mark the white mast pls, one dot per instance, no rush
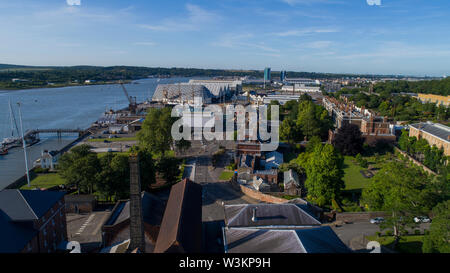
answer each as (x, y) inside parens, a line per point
(24, 146)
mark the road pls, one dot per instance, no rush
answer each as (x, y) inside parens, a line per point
(215, 194)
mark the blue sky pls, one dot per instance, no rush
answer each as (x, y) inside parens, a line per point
(339, 36)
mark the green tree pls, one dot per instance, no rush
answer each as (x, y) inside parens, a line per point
(169, 168)
(438, 239)
(324, 172)
(183, 145)
(289, 131)
(79, 167)
(114, 177)
(348, 139)
(155, 134)
(307, 121)
(396, 188)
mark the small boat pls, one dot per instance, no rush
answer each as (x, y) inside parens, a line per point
(3, 151)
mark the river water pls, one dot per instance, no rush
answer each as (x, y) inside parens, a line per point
(66, 107)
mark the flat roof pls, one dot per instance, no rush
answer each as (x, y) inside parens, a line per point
(435, 129)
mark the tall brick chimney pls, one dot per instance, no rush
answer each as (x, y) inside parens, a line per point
(136, 218)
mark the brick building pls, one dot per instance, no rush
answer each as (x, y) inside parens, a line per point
(372, 126)
(32, 221)
(434, 133)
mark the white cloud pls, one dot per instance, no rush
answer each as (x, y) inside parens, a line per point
(302, 32)
(196, 19)
(73, 2)
(374, 2)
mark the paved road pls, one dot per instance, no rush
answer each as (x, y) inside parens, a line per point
(214, 194)
(85, 228)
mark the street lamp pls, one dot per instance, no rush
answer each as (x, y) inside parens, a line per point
(24, 146)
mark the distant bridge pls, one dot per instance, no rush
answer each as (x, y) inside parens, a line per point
(59, 132)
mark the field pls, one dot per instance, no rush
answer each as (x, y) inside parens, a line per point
(353, 178)
(407, 244)
(45, 181)
(226, 175)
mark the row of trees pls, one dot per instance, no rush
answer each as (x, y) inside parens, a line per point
(304, 119)
(109, 175)
(432, 157)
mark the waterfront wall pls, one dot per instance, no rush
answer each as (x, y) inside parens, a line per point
(22, 180)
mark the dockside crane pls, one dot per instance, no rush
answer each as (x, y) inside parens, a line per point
(132, 100)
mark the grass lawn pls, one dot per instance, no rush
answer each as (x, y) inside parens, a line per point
(226, 175)
(352, 177)
(45, 181)
(113, 139)
(407, 244)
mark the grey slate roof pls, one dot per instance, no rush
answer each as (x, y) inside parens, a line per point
(268, 215)
(18, 210)
(27, 205)
(309, 240)
(181, 92)
(438, 130)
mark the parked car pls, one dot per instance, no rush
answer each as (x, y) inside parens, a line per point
(422, 219)
(106, 141)
(377, 220)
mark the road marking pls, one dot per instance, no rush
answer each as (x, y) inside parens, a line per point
(81, 229)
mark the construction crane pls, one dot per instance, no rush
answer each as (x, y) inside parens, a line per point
(132, 100)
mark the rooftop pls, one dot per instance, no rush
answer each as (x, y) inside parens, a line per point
(268, 215)
(308, 240)
(438, 130)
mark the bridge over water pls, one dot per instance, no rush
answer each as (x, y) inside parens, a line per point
(32, 133)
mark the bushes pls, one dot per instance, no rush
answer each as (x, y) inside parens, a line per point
(41, 170)
(362, 161)
(232, 166)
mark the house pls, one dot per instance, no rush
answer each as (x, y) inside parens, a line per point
(116, 228)
(259, 184)
(48, 160)
(271, 176)
(291, 183)
(31, 221)
(273, 160)
(277, 228)
(181, 227)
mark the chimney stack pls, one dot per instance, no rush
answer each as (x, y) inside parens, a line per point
(136, 219)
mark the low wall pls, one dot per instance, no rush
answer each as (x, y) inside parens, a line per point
(358, 216)
(257, 194)
(425, 168)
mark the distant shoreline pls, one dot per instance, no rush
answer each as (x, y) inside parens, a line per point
(64, 85)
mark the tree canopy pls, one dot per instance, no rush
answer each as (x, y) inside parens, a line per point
(348, 139)
(324, 173)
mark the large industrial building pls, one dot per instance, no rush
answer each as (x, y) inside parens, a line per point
(434, 133)
(182, 93)
(208, 90)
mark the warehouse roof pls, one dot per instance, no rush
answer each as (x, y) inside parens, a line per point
(435, 129)
(268, 215)
(181, 92)
(308, 240)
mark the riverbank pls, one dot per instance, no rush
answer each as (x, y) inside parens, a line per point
(61, 85)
